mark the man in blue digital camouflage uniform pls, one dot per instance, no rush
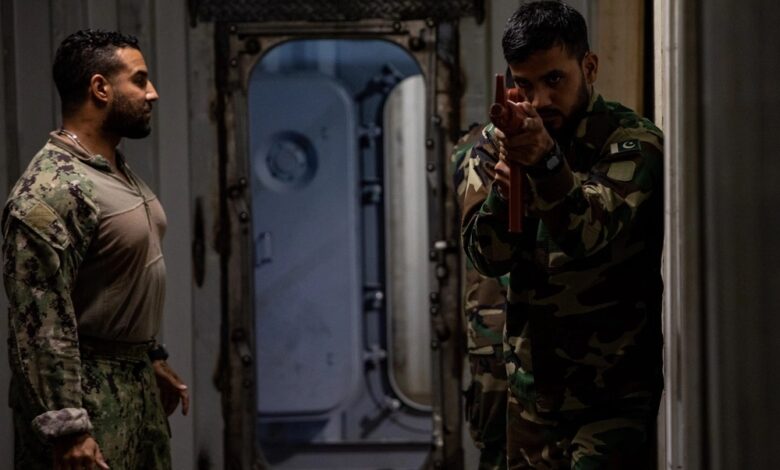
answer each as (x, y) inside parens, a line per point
(85, 276)
(583, 344)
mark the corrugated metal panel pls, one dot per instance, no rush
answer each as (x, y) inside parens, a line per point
(332, 10)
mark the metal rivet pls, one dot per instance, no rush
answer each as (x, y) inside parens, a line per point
(431, 167)
(442, 271)
(429, 143)
(233, 62)
(243, 216)
(416, 43)
(397, 26)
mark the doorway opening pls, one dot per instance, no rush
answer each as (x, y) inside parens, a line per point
(336, 133)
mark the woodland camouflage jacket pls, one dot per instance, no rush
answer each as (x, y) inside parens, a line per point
(583, 322)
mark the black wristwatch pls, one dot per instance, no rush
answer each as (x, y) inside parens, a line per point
(549, 164)
(158, 353)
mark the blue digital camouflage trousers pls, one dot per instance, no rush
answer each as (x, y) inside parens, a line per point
(121, 395)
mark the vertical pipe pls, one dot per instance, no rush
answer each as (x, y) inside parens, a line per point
(684, 268)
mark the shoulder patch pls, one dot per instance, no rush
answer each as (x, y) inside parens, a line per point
(41, 219)
(626, 146)
(622, 170)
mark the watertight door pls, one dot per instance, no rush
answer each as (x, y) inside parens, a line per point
(307, 288)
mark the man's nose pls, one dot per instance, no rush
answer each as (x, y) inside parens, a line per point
(151, 92)
(540, 98)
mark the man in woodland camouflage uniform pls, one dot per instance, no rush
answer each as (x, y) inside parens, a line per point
(85, 276)
(484, 299)
(583, 326)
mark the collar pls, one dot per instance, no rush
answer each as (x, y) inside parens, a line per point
(66, 143)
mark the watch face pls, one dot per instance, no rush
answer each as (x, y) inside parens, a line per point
(553, 161)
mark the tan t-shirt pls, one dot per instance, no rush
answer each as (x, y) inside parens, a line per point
(120, 287)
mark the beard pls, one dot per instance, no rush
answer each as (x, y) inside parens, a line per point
(571, 121)
(127, 119)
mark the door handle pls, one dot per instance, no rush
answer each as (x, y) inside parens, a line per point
(263, 249)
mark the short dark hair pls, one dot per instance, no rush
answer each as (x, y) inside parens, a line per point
(82, 55)
(538, 26)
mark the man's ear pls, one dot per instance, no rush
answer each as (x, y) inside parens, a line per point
(590, 66)
(100, 89)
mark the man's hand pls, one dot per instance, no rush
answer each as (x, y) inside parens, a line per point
(529, 145)
(172, 389)
(79, 451)
(501, 178)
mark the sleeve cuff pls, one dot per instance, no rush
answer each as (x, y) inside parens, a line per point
(57, 423)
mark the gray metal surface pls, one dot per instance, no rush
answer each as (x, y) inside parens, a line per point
(741, 167)
(321, 350)
(32, 30)
(307, 271)
(6, 427)
(239, 50)
(137, 17)
(332, 10)
(208, 422)
(173, 166)
(684, 270)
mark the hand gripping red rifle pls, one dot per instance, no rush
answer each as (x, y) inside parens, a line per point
(510, 123)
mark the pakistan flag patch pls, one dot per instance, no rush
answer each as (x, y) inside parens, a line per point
(627, 146)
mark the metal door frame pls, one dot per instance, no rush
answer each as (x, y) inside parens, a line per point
(238, 48)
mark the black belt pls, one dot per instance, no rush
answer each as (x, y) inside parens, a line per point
(104, 347)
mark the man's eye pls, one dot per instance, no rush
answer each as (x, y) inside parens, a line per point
(140, 81)
(554, 80)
